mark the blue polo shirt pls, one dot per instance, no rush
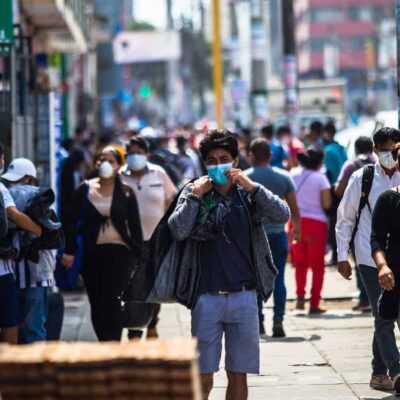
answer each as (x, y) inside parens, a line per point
(278, 181)
(227, 260)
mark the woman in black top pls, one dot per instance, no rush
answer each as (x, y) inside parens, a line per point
(385, 247)
(112, 239)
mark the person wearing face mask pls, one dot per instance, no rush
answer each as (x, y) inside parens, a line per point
(219, 217)
(154, 192)
(385, 252)
(112, 241)
(353, 229)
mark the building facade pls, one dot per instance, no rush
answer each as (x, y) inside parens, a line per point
(42, 71)
(354, 39)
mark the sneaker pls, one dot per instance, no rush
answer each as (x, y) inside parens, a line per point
(262, 329)
(362, 306)
(317, 310)
(300, 303)
(382, 382)
(152, 333)
(277, 330)
(396, 384)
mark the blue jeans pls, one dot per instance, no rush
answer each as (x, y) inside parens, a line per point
(385, 353)
(279, 245)
(33, 307)
(363, 297)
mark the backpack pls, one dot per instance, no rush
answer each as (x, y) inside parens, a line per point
(171, 164)
(366, 185)
(144, 272)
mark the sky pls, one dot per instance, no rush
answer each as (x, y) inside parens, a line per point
(154, 11)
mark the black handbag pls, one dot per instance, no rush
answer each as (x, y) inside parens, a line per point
(137, 315)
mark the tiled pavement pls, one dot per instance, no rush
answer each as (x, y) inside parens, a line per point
(322, 357)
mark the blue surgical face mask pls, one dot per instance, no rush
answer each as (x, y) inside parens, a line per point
(136, 162)
(216, 173)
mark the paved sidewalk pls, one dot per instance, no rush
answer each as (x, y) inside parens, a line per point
(323, 357)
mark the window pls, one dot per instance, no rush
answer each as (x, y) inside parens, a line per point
(356, 43)
(327, 14)
(317, 44)
(361, 13)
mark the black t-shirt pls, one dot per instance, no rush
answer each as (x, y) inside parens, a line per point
(227, 260)
(385, 234)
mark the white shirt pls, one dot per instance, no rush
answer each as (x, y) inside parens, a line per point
(29, 274)
(347, 212)
(6, 265)
(152, 191)
(8, 200)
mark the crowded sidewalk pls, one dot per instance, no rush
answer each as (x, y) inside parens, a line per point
(322, 357)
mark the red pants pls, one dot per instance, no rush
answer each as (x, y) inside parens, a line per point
(310, 253)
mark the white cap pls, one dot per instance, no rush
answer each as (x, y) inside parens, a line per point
(19, 168)
(149, 132)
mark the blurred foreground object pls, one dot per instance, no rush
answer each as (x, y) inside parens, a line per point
(152, 369)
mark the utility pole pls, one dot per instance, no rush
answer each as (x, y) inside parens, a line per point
(172, 76)
(202, 17)
(217, 65)
(258, 63)
(290, 78)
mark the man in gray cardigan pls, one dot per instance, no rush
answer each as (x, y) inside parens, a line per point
(223, 212)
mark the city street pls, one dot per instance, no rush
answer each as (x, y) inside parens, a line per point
(322, 357)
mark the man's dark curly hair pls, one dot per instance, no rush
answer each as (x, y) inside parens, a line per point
(219, 139)
(385, 135)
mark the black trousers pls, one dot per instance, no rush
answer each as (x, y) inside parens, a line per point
(105, 272)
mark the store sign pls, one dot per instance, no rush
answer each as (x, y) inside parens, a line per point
(6, 22)
(140, 47)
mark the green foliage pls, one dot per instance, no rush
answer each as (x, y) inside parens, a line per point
(142, 26)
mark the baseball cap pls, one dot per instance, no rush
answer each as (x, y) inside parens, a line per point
(19, 168)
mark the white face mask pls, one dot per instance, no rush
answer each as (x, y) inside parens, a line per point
(106, 170)
(386, 159)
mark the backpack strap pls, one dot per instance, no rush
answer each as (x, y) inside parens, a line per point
(366, 185)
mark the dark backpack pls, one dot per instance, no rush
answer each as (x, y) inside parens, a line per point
(144, 272)
(366, 185)
(171, 164)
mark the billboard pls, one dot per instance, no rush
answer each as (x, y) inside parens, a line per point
(140, 47)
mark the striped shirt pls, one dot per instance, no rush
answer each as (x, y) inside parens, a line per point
(29, 274)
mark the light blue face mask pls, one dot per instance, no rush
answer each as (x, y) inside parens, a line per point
(136, 162)
(216, 173)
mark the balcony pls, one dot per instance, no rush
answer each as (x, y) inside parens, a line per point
(59, 25)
